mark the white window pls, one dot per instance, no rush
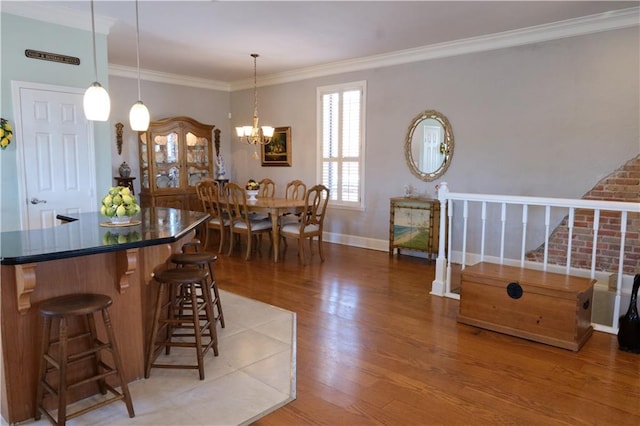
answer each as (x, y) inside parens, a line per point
(341, 124)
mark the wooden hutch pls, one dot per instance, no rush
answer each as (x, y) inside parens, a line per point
(175, 154)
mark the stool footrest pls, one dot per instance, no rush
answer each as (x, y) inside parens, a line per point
(90, 352)
(97, 377)
(117, 396)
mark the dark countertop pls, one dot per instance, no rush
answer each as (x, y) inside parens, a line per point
(86, 236)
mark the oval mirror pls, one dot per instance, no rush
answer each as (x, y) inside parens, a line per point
(428, 147)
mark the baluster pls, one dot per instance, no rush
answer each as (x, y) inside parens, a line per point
(570, 238)
(594, 248)
(547, 220)
(525, 212)
(449, 246)
(465, 216)
(503, 222)
(484, 226)
(623, 235)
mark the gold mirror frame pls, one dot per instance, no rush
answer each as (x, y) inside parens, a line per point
(446, 145)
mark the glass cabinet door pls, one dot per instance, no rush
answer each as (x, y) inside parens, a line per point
(144, 163)
(166, 156)
(198, 151)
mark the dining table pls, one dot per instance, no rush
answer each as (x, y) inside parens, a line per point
(275, 207)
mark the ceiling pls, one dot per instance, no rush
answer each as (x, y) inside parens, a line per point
(212, 40)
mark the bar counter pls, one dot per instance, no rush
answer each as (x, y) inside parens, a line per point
(86, 255)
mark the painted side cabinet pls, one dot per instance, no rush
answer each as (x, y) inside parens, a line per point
(414, 224)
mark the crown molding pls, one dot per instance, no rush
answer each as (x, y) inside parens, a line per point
(56, 15)
(168, 78)
(607, 21)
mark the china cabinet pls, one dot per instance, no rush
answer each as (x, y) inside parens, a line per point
(414, 224)
(175, 154)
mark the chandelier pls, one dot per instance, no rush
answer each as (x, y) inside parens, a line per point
(255, 135)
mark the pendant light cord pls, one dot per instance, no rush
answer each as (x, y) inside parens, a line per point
(93, 32)
(138, 49)
(255, 85)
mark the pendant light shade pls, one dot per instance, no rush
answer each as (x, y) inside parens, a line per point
(139, 117)
(97, 104)
(139, 114)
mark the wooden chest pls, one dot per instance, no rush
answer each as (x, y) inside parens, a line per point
(542, 306)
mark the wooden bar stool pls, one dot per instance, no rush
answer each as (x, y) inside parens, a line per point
(63, 309)
(203, 260)
(183, 311)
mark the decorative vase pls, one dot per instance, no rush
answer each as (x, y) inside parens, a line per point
(629, 324)
(124, 170)
(252, 193)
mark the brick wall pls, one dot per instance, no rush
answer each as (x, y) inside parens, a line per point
(621, 185)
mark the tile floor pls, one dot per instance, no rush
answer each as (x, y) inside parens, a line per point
(254, 375)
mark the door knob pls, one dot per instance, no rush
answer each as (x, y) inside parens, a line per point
(36, 201)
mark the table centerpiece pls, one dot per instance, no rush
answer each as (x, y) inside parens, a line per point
(252, 188)
(120, 205)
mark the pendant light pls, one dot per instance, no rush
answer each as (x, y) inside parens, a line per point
(255, 135)
(97, 104)
(139, 114)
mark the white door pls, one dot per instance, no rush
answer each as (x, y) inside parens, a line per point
(57, 154)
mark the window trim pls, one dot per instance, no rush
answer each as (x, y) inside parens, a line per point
(360, 85)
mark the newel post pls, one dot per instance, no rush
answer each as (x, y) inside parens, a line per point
(438, 284)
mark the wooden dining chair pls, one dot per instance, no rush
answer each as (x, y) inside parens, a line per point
(208, 191)
(240, 221)
(294, 190)
(311, 221)
(267, 188)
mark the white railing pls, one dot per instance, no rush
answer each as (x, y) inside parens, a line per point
(498, 228)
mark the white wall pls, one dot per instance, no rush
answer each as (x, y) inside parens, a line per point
(163, 101)
(549, 119)
(17, 35)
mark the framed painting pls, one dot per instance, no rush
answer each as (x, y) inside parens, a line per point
(278, 152)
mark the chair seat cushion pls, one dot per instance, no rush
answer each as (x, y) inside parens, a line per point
(258, 216)
(294, 228)
(256, 225)
(216, 221)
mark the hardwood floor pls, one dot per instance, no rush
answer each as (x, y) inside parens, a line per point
(373, 347)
